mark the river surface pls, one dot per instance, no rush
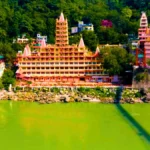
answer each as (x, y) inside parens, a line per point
(74, 126)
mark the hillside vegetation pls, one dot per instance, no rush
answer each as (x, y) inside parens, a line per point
(26, 16)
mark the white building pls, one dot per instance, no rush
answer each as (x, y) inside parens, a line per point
(40, 38)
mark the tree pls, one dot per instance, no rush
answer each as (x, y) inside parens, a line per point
(8, 53)
(8, 78)
(1, 84)
(74, 39)
(127, 12)
(116, 60)
(90, 39)
(108, 36)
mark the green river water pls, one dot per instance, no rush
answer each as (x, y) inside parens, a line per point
(74, 126)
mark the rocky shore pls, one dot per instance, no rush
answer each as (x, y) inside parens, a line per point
(67, 96)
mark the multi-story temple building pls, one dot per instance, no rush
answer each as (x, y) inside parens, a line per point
(49, 64)
(143, 52)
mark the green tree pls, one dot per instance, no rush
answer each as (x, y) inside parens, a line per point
(8, 78)
(74, 39)
(1, 84)
(127, 12)
(90, 39)
(116, 60)
(8, 53)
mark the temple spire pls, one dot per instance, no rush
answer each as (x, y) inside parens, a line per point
(27, 51)
(97, 50)
(81, 43)
(61, 18)
(61, 31)
(19, 71)
(43, 43)
(143, 20)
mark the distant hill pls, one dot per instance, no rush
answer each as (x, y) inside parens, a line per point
(30, 17)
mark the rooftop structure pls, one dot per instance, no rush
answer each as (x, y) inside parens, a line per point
(40, 38)
(82, 27)
(61, 63)
(22, 40)
(106, 23)
(110, 45)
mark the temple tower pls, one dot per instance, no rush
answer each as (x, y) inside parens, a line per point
(143, 27)
(143, 52)
(143, 21)
(61, 31)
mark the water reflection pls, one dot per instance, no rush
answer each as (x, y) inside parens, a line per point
(3, 117)
(51, 123)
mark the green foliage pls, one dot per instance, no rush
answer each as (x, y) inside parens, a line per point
(116, 59)
(139, 77)
(8, 78)
(90, 40)
(98, 91)
(1, 84)
(55, 90)
(127, 12)
(128, 93)
(142, 76)
(25, 16)
(74, 39)
(8, 52)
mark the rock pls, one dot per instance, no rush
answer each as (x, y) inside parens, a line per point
(42, 102)
(95, 100)
(63, 99)
(48, 102)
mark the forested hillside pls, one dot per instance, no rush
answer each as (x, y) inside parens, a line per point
(32, 16)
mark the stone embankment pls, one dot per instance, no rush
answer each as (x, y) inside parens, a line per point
(51, 97)
(45, 97)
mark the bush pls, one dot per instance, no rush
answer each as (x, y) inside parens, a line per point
(8, 78)
(55, 90)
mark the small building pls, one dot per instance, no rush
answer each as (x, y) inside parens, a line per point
(106, 23)
(74, 30)
(22, 40)
(111, 45)
(134, 44)
(41, 37)
(82, 27)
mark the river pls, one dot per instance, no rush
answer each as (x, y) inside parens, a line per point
(74, 126)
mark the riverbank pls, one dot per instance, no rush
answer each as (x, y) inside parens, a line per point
(100, 95)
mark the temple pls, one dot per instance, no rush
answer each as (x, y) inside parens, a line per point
(143, 52)
(60, 63)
